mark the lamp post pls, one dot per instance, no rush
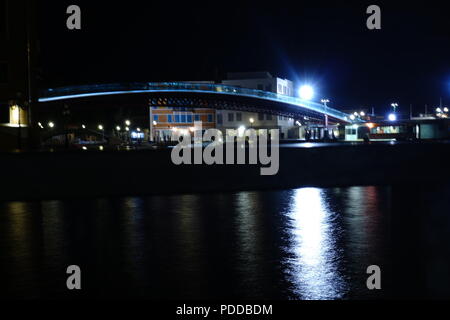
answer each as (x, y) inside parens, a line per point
(325, 101)
(394, 106)
(100, 127)
(252, 121)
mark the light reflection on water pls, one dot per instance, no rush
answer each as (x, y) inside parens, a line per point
(313, 266)
(304, 243)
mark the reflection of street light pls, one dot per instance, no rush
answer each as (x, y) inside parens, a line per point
(306, 92)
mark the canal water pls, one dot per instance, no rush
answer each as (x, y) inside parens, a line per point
(306, 243)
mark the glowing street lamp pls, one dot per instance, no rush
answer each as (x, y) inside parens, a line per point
(83, 126)
(100, 127)
(394, 105)
(128, 123)
(306, 92)
(51, 125)
(392, 117)
(118, 128)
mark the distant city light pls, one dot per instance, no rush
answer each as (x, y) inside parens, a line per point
(392, 117)
(306, 92)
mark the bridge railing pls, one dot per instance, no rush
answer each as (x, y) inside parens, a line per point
(103, 89)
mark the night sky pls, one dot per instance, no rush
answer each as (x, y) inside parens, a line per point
(324, 43)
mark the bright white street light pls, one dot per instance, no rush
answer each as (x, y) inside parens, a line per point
(128, 123)
(138, 129)
(352, 117)
(127, 129)
(155, 123)
(100, 127)
(362, 113)
(252, 120)
(83, 126)
(51, 124)
(306, 92)
(445, 109)
(392, 117)
(118, 128)
(241, 131)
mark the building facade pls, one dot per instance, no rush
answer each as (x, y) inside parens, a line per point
(227, 119)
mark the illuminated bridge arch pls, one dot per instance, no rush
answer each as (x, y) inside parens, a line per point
(216, 96)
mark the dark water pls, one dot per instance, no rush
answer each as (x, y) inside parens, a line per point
(294, 244)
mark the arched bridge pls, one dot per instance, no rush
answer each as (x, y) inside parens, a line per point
(216, 96)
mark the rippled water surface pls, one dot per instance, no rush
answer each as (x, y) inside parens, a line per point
(304, 243)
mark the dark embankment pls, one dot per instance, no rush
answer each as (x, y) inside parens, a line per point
(28, 176)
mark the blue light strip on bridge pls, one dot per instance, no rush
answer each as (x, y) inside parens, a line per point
(77, 93)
